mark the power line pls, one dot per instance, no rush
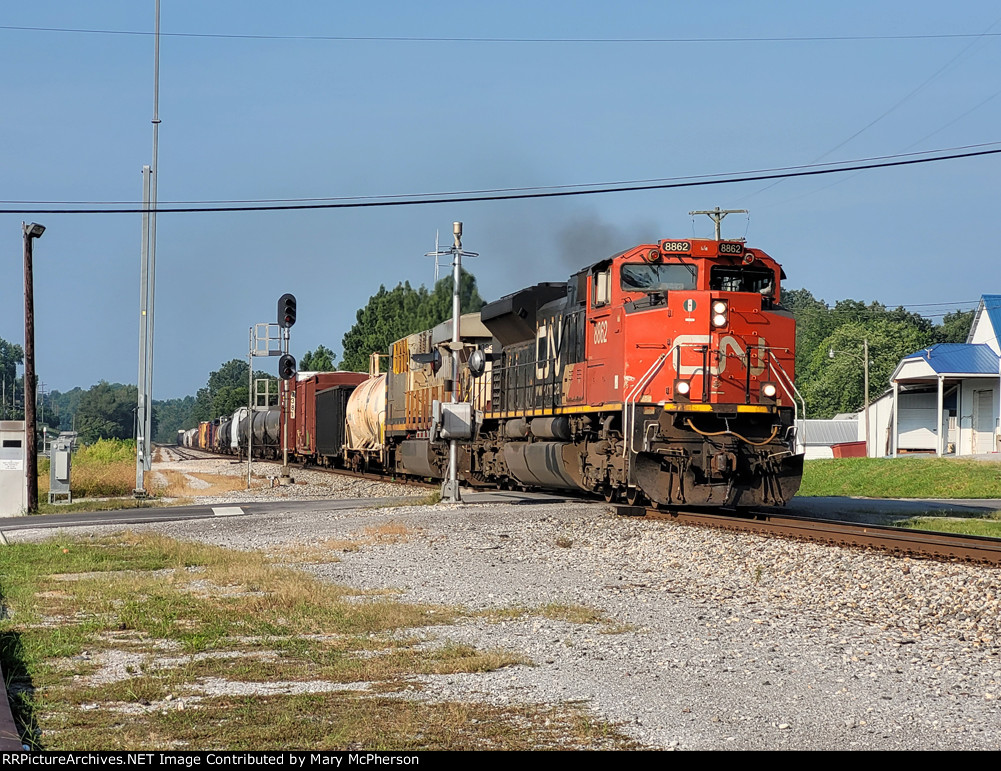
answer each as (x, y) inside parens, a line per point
(481, 191)
(977, 38)
(548, 40)
(368, 203)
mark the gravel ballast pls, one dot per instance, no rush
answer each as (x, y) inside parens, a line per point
(712, 640)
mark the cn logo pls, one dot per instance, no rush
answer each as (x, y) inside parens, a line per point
(689, 305)
(729, 349)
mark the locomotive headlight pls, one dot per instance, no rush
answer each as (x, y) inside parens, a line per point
(719, 313)
(769, 390)
(682, 388)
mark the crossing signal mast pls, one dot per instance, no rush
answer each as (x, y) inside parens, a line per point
(286, 369)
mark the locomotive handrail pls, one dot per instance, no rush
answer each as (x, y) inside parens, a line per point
(637, 390)
(788, 380)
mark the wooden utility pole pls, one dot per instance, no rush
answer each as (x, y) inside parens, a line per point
(717, 215)
(30, 232)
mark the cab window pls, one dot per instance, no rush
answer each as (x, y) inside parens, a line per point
(601, 292)
(737, 278)
(642, 277)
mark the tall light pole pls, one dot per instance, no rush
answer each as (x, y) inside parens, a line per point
(147, 289)
(31, 232)
(865, 367)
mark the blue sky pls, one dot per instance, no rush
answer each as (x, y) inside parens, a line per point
(277, 118)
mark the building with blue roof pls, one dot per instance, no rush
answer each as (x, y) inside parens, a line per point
(945, 398)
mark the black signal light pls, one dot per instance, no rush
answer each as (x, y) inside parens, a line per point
(286, 310)
(286, 366)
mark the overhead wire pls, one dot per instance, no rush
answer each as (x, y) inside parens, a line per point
(977, 39)
(582, 185)
(487, 39)
(373, 202)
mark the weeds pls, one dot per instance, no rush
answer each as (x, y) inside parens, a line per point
(141, 640)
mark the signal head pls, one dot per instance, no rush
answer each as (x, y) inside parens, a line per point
(286, 366)
(286, 310)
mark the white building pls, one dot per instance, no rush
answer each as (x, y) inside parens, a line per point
(946, 398)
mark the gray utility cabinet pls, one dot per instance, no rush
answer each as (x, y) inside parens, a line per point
(13, 482)
(60, 461)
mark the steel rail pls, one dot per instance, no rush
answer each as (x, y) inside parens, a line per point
(892, 540)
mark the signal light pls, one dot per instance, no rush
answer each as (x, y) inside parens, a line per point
(286, 366)
(286, 310)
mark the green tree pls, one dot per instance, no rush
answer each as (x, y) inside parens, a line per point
(830, 386)
(955, 327)
(65, 406)
(320, 360)
(11, 356)
(225, 392)
(814, 322)
(107, 411)
(391, 315)
(172, 414)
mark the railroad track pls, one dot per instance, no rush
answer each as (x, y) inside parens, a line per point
(891, 540)
(188, 453)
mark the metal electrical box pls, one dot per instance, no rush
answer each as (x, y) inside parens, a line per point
(60, 461)
(456, 420)
(13, 482)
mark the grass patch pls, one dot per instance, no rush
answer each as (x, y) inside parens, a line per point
(908, 477)
(103, 504)
(141, 640)
(988, 525)
(341, 721)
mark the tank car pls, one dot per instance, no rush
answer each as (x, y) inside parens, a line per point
(663, 373)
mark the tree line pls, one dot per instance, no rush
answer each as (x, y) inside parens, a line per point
(107, 410)
(832, 385)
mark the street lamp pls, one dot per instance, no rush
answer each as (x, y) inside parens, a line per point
(31, 231)
(865, 362)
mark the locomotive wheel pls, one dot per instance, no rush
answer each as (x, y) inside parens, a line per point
(634, 497)
(610, 494)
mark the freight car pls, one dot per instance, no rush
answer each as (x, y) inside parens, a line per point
(317, 409)
(663, 373)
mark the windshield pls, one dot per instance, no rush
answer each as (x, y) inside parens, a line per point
(736, 278)
(636, 277)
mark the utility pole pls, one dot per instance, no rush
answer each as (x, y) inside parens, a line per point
(147, 289)
(865, 356)
(717, 215)
(30, 233)
(450, 490)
